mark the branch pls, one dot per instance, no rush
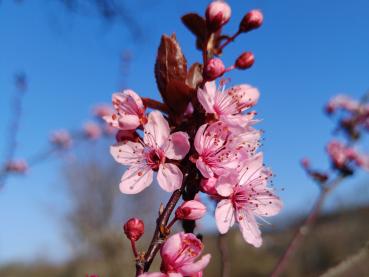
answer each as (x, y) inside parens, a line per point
(303, 229)
(156, 105)
(224, 255)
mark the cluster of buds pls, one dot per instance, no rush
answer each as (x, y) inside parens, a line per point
(16, 166)
(354, 115)
(61, 139)
(201, 139)
(344, 158)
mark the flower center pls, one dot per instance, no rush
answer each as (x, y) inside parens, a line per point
(154, 158)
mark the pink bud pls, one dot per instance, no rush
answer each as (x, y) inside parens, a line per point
(61, 139)
(252, 20)
(217, 14)
(92, 130)
(191, 210)
(134, 229)
(16, 166)
(102, 110)
(214, 69)
(305, 163)
(245, 60)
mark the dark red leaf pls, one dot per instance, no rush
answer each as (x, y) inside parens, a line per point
(194, 76)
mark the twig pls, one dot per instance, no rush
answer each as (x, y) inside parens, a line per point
(303, 229)
(224, 255)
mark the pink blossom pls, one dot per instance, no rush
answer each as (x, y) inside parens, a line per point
(61, 139)
(219, 151)
(342, 102)
(151, 155)
(227, 105)
(179, 253)
(16, 166)
(217, 14)
(130, 111)
(252, 20)
(246, 196)
(214, 69)
(92, 130)
(191, 210)
(102, 110)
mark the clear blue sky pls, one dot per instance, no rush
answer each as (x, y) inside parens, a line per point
(306, 52)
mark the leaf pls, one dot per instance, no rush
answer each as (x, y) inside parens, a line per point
(194, 76)
(196, 24)
(171, 71)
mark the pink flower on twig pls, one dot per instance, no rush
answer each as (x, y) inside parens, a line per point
(179, 254)
(246, 196)
(151, 155)
(130, 111)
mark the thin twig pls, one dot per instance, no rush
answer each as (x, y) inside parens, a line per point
(224, 255)
(303, 229)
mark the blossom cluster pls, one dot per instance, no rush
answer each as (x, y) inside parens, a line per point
(202, 139)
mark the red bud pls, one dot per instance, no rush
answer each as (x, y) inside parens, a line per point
(252, 20)
(214, 69)
(134, 229)
(217, 14)
(245, 60)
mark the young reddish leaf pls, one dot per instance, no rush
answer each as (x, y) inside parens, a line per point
(179, 95)
(170, 68)
(194, 76)
(196, 24)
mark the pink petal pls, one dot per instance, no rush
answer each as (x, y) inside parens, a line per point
(171, 248)
(267, 203)
(128, 122)
(153, 274)
(206, 96)
(136, 179)
(249, 228)
(174, 274)
(128, 153)
(169, 177)
(204, 169)
(137, 99)
(251, 169)
(112, 120)
(177, 146)
(224, 189)
(156, 131)
(246, 95)
(199, 138)
(224, 215)
(194, 268)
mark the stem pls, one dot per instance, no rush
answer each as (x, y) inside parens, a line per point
(174, 220)
(303, 229)
(158, 237)
(134, 249)
(224, 256)
(153, 104)
(232, 38)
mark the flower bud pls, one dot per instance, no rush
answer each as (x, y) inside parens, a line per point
(134, 229)
(305, 163)
(16, 166)
(252, 20)
(217, 14)
(214, 69)
(92, 130)
(191, 210)
(245, 60)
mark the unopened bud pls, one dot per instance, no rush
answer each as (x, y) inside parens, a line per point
(217, 14)
(191, 210)
(214, 69)
(245, 60)
(134, 229)
(16, 166)
(252, 20)
(305, 163)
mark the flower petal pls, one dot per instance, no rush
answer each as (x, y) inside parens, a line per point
(251, 169)
(128, 122)
(155, 274)
(224, 215)
(177, 146)
(204, 169)
(171, 247)
(193, 268)
(266, 203)
(169, 177)
(156, 130)
(136, 179)
(128, 153)
(206, 96)
(249, 228)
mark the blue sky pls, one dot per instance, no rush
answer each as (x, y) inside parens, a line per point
(306, 52)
